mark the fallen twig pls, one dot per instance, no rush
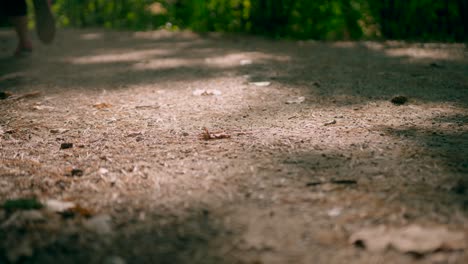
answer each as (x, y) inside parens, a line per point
(24, 96)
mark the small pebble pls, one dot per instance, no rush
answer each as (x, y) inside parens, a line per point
(330, 123)
(399, 100)
(77, 172)
(66, 145)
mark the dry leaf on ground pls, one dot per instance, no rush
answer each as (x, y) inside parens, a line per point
(42, 107)
(102, 105)
(25, 95)
(143, 107)
(58, 130)
(77, 211)
(135, 134)
(203, 92)
(411, 239)
(297, 100)
(207, 135)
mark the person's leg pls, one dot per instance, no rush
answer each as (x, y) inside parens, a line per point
(45, 22)
(20, 23)
(17, 11)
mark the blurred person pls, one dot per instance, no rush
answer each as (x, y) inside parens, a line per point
(17, 11)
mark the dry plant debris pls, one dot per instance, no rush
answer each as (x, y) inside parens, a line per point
(298, 100)
(203, 92)
(77, 211)
(102, 105)
(59, 130)
(339, 182)
(330, 123)
(23, 96)
(207, 135)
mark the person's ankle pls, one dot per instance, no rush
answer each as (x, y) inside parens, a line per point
(27, 45)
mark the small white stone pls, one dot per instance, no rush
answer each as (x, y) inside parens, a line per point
(58, 206)
(297, 100)
(334, 212)
(245, 62)
(261, 84)
(103, 171)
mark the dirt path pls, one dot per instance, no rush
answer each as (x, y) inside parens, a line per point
(315, 155)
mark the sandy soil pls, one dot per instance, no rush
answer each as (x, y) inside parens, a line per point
(315, 156)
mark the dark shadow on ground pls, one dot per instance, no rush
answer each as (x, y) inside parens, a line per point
(321, 69)
(197, 238)
(425, 196)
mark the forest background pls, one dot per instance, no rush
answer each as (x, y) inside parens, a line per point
(421, 20)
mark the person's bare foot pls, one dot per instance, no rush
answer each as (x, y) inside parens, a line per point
(45, 22)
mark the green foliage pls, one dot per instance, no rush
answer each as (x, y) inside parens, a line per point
(300, 19)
